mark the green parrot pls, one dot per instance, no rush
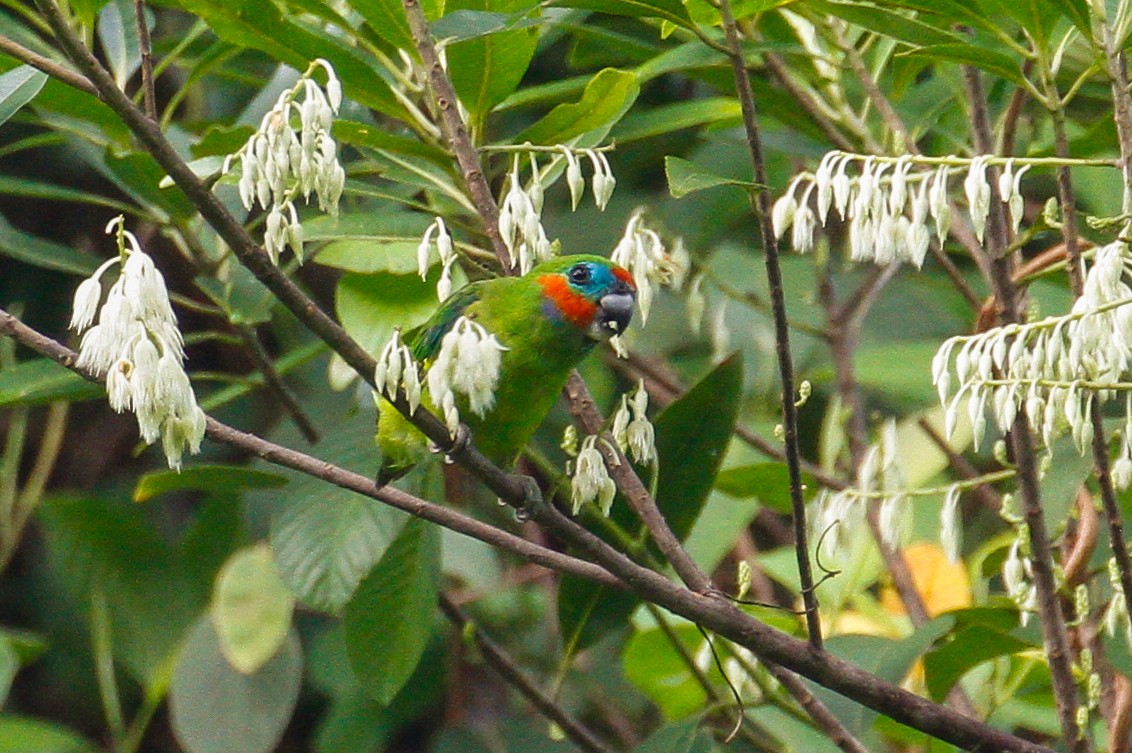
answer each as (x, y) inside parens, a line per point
(547, 320)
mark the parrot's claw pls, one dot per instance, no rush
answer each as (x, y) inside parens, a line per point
(532, 499)
(461, 440)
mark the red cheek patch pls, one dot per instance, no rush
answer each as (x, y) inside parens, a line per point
(575, 308)
(623, 275)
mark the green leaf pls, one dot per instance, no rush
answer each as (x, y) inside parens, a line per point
(215, 479)
(692, 435)
(117, 30)
(243, 298)
(670, 10)
(260, 25)
(38, 252)
(686, 177)
(989, 60)
(657, 670)
(890, 23)
(41, 381)
(769, 482)
(106, 545)
(24, 735)
(9, 665)
(387, 19)
(372, 136)
(486, 69)
(607, 97)
(325, 544)
(588, 612)
(968, 647)
(684, 736)
(18, 87)
(657, 121)
(390, 618)
(371, 305)
(461, 25)
(216, 709)
(251, 609)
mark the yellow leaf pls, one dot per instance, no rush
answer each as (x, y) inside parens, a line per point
(943, 585)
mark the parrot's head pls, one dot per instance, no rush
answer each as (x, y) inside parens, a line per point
(591, 293)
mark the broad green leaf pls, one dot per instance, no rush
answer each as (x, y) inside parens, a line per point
(18, 87)
(721, 523)
(685, 177)
(370, 306)
(704, 13)
(138, 174)
(656, 121)
(968, 647)
(391, 617)
(670, 10)
(607, 97)
(657, 670)
(899, 370)
(103, 544)
(387, 19)
(769, 482)
(118, 32)
(26, 735)
(251, 609)
(461, 25)
(692, 435)
(588, 612)
(684, 736)
(326, 543)
(243, 298)
(9, 665)
(215, 479)
(890, 23)
(216, 709)
(992, 61)
(260, 25)
(39, 252)
(41, 381)
(486, 69)
(383, 253)
(36, 189)
(372, 136)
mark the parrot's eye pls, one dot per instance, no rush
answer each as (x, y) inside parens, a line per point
(579, 274)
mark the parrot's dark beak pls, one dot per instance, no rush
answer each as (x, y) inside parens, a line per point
(615, 311)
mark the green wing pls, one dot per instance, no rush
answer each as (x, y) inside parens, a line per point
(424, 341)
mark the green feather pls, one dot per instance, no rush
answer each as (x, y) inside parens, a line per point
(541, 354)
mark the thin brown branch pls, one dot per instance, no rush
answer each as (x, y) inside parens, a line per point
(616, 569)
(149, 93)
(781, 73)
(985, 493)
(762, 207)
(509, 670)
(48, 66)
(457, 132)
(275, 383)
(355, 482)
(1054, 632)
(818, 711)
(584, 409)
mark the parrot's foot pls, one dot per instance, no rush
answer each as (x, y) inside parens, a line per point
(460, 441)
(532, 499)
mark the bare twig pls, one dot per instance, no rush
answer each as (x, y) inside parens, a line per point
(1054, 631)
(762, 207)
(501, 662)
(48, 66)
(149, 94)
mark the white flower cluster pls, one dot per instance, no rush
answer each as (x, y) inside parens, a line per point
(1047, 370)
(137, 346)
(397, 370)
(590, 480)
(520, 221)
(468, 363)
(887, 205)
(520, 212)
(642, 252)
(603, 180)
(1116, 614)
(280, 162)
(631, 428)
(1018, 577)
(445, 250)
(840, 515)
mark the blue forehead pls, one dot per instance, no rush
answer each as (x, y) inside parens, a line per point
(601, 278)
